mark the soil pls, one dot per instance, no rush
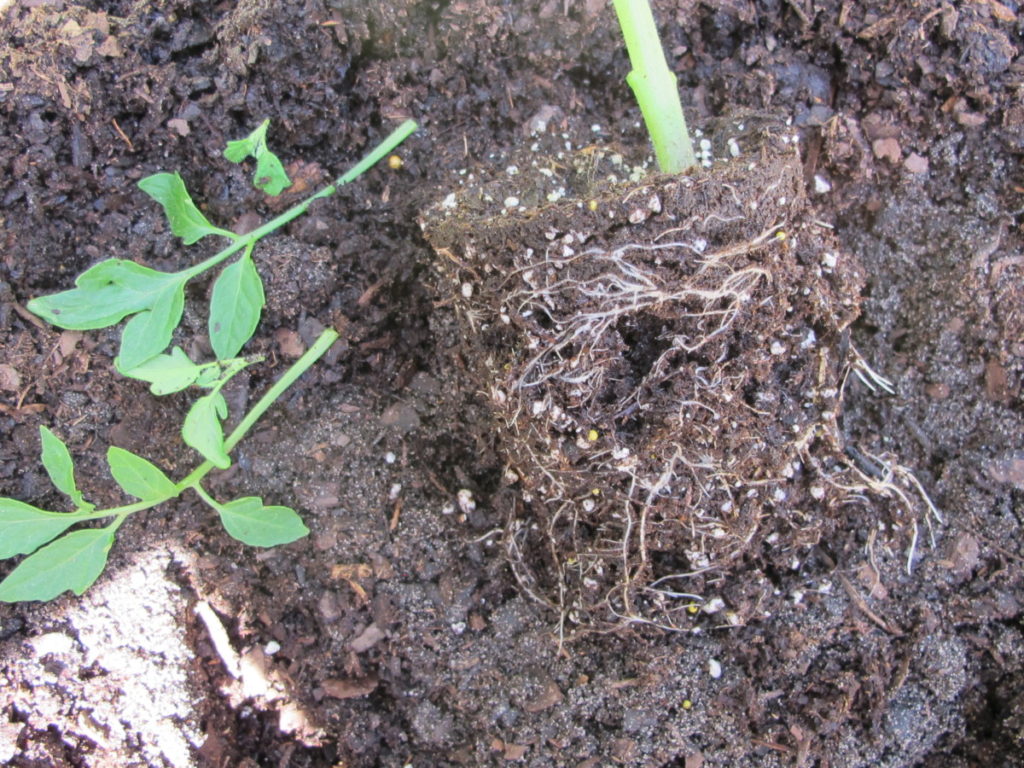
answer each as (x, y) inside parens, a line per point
(420, 623)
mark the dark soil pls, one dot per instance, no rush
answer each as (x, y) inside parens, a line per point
(416, 625)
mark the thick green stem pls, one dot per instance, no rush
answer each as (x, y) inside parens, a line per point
(396, 137)
(655, 87)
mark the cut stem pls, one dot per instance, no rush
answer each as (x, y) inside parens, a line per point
(655, 87)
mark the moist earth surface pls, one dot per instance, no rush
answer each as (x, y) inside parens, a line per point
(866, 627)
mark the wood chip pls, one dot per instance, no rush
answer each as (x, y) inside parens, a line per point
(515, 751)
(351, 571)
(179, 126)
(887, 149)
(1001, 12)
(915, 163)
(549, 697)
(350, 688)
(10, 379)
(68, 341)
(290, 343)
(368, 638)
(970, 119)
(997, 385)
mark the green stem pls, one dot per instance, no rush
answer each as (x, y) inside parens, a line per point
(192, 480)
(655, 87)
(122, 511)
(396, 137)
(314, 353)
(198, 488)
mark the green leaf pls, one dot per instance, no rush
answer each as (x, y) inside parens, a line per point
(210, 375)
(252, 523)
(83, 309)
(148, 333)
(187, 222)
(138, 477)
(270, 176)
(24, 528)
(202, 429)
(105, 294)
(167, 373)
(60, 467)
(71, 562)
(235, 307)
(236, 151)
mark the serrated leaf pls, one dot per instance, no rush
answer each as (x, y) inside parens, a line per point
(24, 528)
(148, 333)
(252, 523)
(235, 307)
(202, 429)
(187, 221)
(71, 562)
(167, 373)
(138, 477)
(60, 467)
(105, 294)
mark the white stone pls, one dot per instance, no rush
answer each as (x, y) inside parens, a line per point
(466, 501)
(714, 605)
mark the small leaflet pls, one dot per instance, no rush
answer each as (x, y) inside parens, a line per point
(235, 307)
(250, 522)
(202, 429)
(24, 528)
(149, 332)
(72, 562)
(138, 477)
(60, 467)
(167, 373)
(270, 176)
(187, 221)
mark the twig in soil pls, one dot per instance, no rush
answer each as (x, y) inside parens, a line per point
(123, 135)
(219, 638)
(863, 606)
